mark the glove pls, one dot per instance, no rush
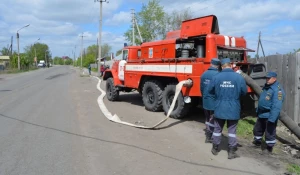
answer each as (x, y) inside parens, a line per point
(239, 71)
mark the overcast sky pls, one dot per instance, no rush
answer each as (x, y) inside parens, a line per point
(59, 23)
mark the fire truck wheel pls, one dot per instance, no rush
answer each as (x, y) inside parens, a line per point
(180, 109)
(111, 91)
(152, 96)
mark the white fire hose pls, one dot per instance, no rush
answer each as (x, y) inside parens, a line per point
(116, 119)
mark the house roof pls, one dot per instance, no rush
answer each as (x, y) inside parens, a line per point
(5, 58)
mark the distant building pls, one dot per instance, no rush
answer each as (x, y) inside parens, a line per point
(4, 62)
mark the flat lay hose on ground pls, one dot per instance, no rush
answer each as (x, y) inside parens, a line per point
(284, 118)
(116, 119)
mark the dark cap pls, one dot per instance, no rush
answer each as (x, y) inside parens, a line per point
(225, 60)
(271, 74)
(215, 61)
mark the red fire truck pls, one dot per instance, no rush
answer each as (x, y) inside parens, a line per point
(154, 68)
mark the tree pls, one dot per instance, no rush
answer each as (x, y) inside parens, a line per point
(5, 51)
(88, 59)
(93, 50)
(40, 50)
(174, 20)
(151, 23)
(105, 50)
(68, 61)
(56, 60)
(118, 52)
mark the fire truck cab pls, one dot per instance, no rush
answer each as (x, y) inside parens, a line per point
(154, 68)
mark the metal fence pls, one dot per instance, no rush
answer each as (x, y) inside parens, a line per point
(287, 68)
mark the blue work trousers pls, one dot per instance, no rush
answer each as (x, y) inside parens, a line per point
(231, 126)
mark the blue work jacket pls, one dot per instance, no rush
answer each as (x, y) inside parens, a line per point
(270, 102)
(207, 98)
(228, 86)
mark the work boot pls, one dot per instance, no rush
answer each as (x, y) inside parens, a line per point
(268, 151)
(208, 138)
(256, 143)
(232, 153)
(215, 149)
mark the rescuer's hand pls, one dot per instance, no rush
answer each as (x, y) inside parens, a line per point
(239, 71)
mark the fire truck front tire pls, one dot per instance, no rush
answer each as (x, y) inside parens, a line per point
(112, 93)
(181, 109)
(152, 96)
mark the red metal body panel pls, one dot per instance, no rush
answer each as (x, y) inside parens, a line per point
(199, 26)
(159, 49)
(158, 58)
(173, 34)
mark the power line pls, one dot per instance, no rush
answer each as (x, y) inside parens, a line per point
(273, 41)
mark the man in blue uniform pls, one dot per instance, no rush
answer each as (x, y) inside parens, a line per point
(227, 86)
(268, 110)
(209, 99)
(89, 69)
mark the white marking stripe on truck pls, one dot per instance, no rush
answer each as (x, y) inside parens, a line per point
(233, 41)
(226, 40)
(161, 68)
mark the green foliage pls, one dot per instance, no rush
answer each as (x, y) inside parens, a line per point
(293, 168)
(5, 51)
(63, 61)
(56, 60)
(174, 20)
(93, 50)
(88, 59)
(105, 50)
(151, 23)
(68, 61)
(118, 52)
(91, 55)
(245, 127)
(14, 61)
(152, 17)
(154, 23)
(40, 50)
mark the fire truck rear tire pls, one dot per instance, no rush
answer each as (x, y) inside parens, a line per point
(181, 109)
(112, 93)
(152, 96)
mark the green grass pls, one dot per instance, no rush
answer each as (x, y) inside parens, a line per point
(293, 168)
(245, 127)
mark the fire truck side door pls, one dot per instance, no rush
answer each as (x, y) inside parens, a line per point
(121, 69)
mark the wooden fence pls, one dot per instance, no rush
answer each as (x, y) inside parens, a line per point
(287, 68)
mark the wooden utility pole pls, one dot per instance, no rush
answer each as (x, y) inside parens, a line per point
(133, 37)
(100, 33)
(81, 49)
(259, 44)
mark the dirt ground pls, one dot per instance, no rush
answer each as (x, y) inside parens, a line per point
(282, 156)
(278, 161)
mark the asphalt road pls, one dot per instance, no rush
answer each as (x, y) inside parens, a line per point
(51, 123)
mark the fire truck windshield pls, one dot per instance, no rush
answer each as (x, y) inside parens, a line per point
(234, 55)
